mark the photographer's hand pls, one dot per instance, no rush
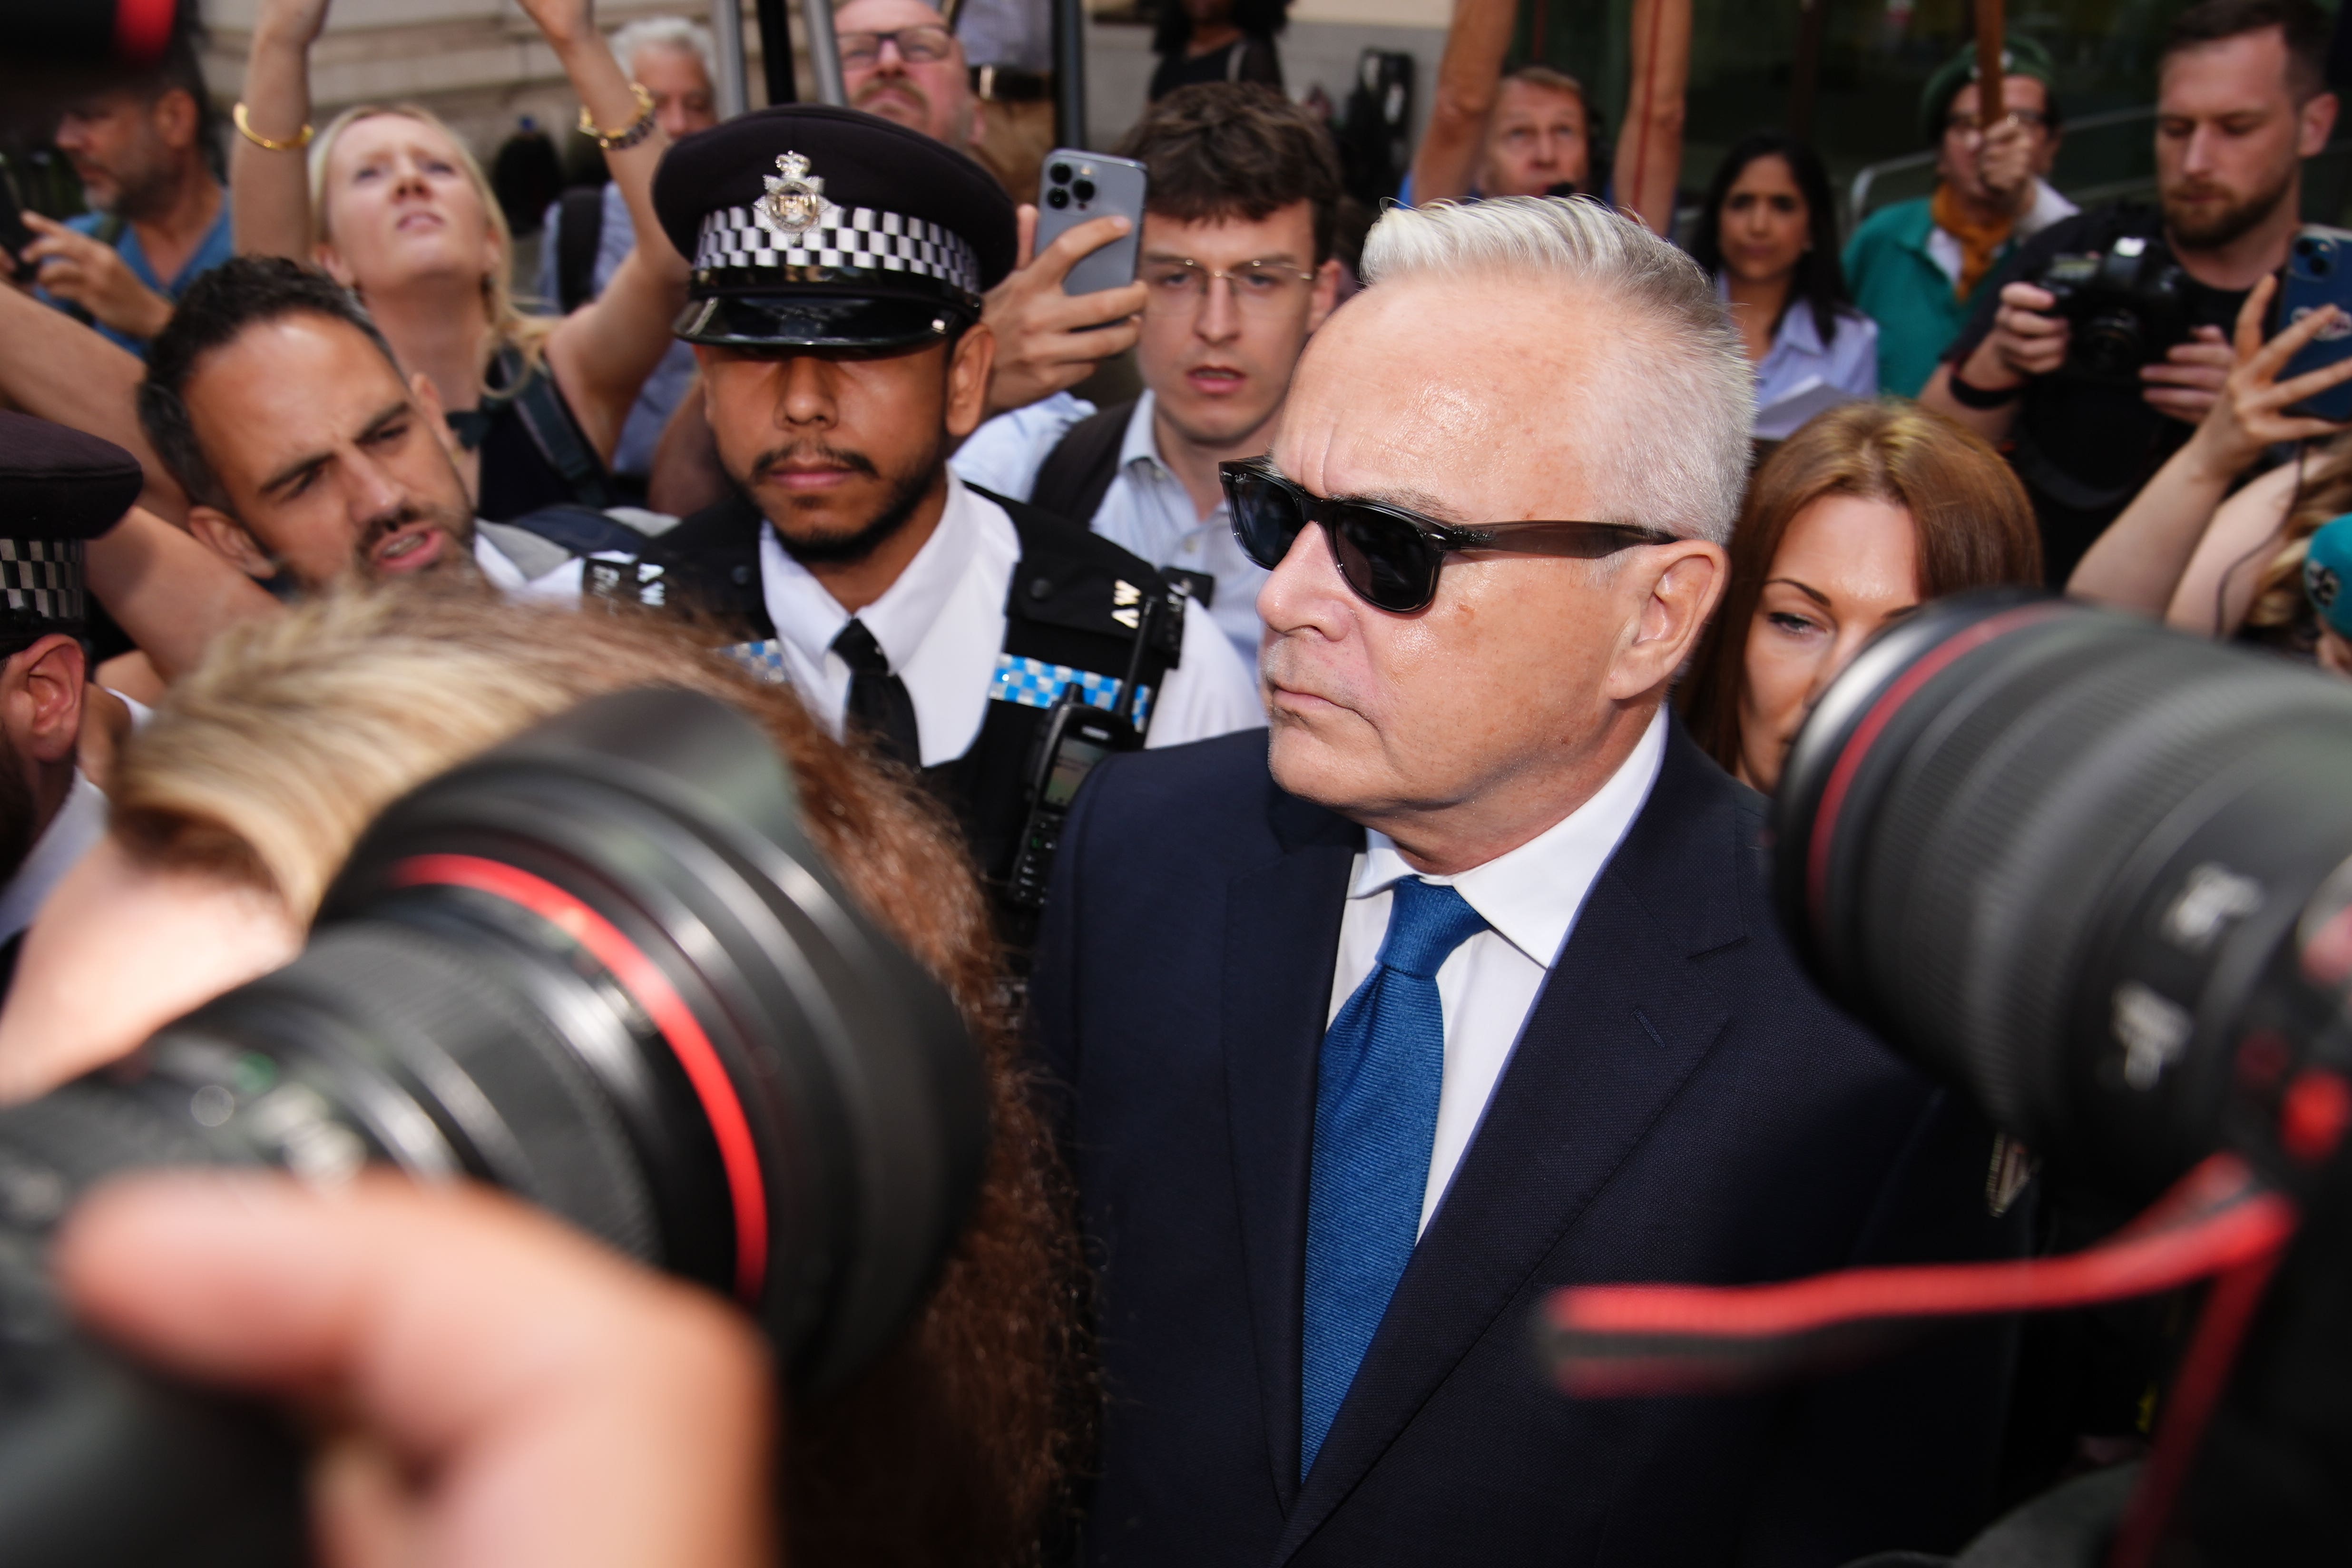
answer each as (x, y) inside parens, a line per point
(78, 269)
(2140, 560)
(2185, 382)
(503, 1391)
(1043, 342)
(2025, 342)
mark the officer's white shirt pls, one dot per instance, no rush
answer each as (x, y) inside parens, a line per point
(1530, 898)
(72, 833)
(941, 626)
(561, 584)
(1147, 509)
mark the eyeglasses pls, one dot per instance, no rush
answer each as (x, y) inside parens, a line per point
(922, 46)
(1179, 284)
(1969, 125)
(1390, 557)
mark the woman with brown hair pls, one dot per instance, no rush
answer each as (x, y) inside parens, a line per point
(1866, 512)
(235, 807)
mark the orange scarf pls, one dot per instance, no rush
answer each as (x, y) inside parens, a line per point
(1980, 241)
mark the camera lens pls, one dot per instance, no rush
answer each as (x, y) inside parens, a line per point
(2080, 865)
(1057, 198)
(1084, 190)
(1059, 173)
(2111, 346)
(603, 968)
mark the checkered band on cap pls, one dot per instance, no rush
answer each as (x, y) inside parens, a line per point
(41, 581)
(843, 237)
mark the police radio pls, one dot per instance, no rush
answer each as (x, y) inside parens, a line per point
(1076, 737)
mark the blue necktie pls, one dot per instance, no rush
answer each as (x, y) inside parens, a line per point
(1376, 1094)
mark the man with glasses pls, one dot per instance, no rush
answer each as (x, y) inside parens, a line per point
(1465, 985)
(834, 311)
(1236, 265)
(1917, 268)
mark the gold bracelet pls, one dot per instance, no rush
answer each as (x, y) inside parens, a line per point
(245, 129)
(621, 140)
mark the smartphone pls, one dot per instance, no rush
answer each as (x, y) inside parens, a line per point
(15, 232)
(2319, 272)
(1074, 187)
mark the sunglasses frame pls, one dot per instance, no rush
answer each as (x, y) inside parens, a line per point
(1579, 541)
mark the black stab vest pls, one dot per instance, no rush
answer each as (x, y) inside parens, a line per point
(1075, 602)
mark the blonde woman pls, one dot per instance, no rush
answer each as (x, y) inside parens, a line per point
(238, 804)
(390, 203)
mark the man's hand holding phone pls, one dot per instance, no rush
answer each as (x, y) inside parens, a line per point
(78, 270)
(1046, 341)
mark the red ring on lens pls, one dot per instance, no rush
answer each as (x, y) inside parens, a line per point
(651, 990)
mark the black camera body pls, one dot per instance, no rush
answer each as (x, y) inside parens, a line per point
(2125, 306)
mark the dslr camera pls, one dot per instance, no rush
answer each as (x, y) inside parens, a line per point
(2125, 306)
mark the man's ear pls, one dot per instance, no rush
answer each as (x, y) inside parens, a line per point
(1679, 586)
(44, 698)
(437, 413)
(2318, 124)
(1327, 294)
(969, 363)
(228, 538)
(174, 116)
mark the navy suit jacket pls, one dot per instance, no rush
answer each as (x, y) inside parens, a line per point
(1682, 1105)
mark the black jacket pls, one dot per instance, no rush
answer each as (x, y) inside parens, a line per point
(1681, 1106)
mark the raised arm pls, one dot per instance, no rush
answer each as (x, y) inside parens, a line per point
(603, 351)
(270, 188)
(1469, 76)
(54, 368)
(2139, 561)
(1650, 144)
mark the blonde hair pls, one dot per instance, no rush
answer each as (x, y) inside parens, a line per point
(510, 326)
(268, 760)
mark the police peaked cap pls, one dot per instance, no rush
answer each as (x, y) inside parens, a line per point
(58, 487)
(808, 225)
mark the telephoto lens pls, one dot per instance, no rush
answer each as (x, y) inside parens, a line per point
(2091, 870)
(600, 967)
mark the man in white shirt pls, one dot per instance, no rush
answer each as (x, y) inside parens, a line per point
(307, 457)
(1236, 259)
(1466, 986)
(839, 262)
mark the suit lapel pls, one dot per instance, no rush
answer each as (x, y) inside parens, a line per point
(1619, 1025)
(1282, 940)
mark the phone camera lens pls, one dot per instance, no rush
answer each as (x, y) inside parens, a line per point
(2320, 265)
(1059, 173)
(1084, 190)
(1057, 197)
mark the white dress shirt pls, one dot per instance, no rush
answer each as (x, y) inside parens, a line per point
(1147, 509)
(941, 626)
(72, 833)
(1530, 899)
(563, 584)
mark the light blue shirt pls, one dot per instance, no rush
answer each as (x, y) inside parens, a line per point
(1147, 509)
(1801, 375)
(659, 398)
(216, 246)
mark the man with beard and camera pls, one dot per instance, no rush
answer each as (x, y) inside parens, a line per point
(839, 263)
(2103, 340)
(307, 457)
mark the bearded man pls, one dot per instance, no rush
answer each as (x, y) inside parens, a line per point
(2242, 100)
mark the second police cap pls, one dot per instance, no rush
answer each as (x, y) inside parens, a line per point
(811, 226)
(59, 490)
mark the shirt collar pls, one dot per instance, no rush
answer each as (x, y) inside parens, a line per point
(1531, 895)
(1140, 444)
(1796, 332)
(80, 822)
(808, 616)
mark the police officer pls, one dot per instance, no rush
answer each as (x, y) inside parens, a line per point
(58, 488)
(839, 261)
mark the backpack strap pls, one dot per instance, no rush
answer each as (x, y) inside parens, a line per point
(581, 530)
(540, 405)
(580, 230)
(1077, 473)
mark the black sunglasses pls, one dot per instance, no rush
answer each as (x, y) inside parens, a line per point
(1391, 556)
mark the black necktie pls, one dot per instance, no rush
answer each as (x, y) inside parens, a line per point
(878, 699)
